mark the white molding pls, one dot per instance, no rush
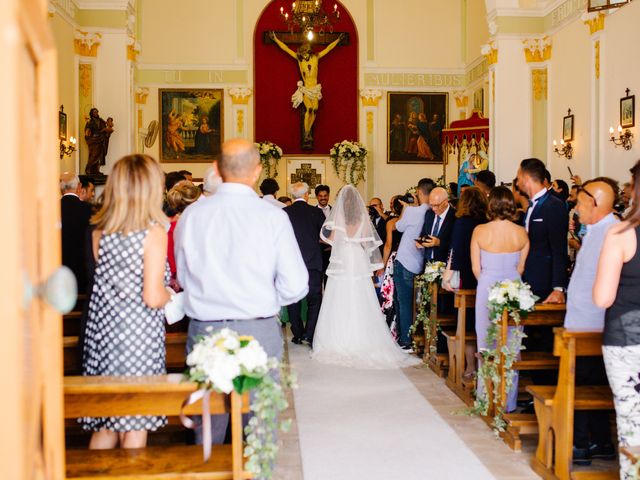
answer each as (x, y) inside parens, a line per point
(103, 4)
(425, 71)
(183, 66)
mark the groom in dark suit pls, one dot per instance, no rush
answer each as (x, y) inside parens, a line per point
(547, 222)
(307, 222)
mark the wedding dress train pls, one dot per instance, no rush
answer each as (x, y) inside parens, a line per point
(352, 330)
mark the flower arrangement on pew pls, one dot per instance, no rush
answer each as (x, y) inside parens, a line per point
(224, 361)
(349, 161)
(432, 273)
(270, 153)
(516, 298)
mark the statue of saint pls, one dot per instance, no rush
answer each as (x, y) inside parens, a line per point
(309, 91)
(96, 134)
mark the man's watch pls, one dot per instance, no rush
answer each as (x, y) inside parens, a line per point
(560, 289)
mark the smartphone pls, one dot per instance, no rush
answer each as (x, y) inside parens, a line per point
(570, 172)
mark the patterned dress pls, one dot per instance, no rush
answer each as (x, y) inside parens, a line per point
(124, 337)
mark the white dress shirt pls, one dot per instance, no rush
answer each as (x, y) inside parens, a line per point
(534, 202)
(237, 257)
(326, 210)
(272, 200)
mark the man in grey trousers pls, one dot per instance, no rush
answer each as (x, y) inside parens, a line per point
(238, 260)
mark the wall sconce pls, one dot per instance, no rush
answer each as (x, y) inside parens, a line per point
(564, 150)
(67, 147)
(623, 139)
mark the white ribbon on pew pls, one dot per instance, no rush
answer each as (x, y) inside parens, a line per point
(205, 395)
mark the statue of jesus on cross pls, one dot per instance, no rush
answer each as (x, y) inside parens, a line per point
(309, 91)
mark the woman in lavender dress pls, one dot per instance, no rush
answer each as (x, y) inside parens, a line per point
(498, 252)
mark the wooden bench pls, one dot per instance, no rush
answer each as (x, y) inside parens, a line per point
(456, 344)
(445, 323)
(175, 344)
(555, 405)
(152, 395)
(544, 315)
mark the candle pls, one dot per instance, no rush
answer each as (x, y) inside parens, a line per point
(611, 131)
(561, 142)
(281, 10)
(619, 128)
(555, 144)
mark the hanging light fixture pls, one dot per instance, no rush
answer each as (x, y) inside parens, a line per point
(309, 17)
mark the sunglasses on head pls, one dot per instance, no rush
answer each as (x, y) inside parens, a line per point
(586, 192)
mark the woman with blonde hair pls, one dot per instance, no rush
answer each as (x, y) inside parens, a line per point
(125, 330)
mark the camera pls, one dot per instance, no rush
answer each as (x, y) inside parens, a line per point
(373, 213)
(407, 198)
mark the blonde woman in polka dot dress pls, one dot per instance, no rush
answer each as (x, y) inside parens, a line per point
(125, 330)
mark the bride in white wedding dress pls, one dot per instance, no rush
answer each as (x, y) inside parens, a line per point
(351, 329)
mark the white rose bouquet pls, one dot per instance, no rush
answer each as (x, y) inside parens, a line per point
(270, 153)
(225, 361)
(349, 161)
(433, 271)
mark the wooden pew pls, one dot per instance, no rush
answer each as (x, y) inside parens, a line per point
(152, 395)
(175, 346)
(555, 406)
(438, 362)
(543, 315)
(456, 344)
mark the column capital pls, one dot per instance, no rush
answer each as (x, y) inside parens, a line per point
(490, 51)
(240, 95)
(537, 49)
(594, 20)
(133, 48)
(461, 99)
(86, 43)
(141, 95)
(370, 97)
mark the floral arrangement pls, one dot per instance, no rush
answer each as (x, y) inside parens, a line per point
(270, 153)
(432, 273)
(516, 297)
(224, 361)
(349, 161)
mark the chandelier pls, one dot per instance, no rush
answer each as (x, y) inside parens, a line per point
(309, 17)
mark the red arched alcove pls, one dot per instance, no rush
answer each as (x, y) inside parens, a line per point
(275, 78)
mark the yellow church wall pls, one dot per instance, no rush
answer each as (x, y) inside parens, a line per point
(569, 86)
(63, 33)
(619, 70)
(188, 32)
(418, 33)
(477, 32)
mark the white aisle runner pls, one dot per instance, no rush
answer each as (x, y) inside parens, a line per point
(373, 424)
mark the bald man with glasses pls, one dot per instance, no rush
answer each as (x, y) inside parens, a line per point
(438, 227)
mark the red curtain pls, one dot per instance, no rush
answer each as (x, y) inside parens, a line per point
(275, 78)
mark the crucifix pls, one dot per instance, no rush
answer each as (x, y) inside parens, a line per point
(309, 91)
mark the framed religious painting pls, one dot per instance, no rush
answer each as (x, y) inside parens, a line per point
(414, 127)
(192, 124)
(596, 5)
(309, 170)
(478, 100)
(628, 111)
(62, 124)
(567, 127)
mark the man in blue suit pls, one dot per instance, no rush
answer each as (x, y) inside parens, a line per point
(547, 222)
